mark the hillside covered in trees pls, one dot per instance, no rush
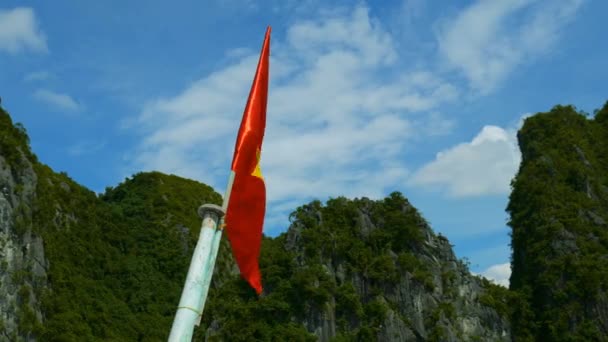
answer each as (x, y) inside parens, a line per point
(77, 266)
(81, 267)
(559, 215)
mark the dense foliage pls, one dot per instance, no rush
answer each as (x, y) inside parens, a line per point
(340, 262)
(13, 141)
(297, 280)
(559, 215)
(117, 262)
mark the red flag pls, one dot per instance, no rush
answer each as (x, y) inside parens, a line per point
(247, 203)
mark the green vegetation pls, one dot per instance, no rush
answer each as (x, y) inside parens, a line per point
(496, 297)
(117, 263)
(14, 141)
(341, 257)
(559, 210)
(299, 282)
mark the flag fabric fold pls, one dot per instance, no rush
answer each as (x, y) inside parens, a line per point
(247, 202)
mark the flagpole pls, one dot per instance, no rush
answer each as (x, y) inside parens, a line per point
(190, 306)
(228, 191)
(198, 280)
(215, 246)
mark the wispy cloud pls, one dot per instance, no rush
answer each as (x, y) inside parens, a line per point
(238, 53)
(490, 38)
(343, 107)
(19, 31)
(58, 100)
(483, 166)
(37, 76)
(436, 124)
(334, 126)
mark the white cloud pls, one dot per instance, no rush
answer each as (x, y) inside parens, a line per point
(436, 124)
(484, 166)
(489, 38)
(499, 274)
(58, 100)
(19, 31)
(334, 126)
(238, 53)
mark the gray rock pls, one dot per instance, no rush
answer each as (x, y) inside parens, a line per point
(596, 219)
(184, 236)
(581, 156)
(410, 301)
(23, 265)
(395, 329)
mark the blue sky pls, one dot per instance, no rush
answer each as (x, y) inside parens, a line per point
(422, 97)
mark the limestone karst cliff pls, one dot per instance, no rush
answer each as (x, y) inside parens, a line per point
(559, 215)
(79, 266)
(361, 270)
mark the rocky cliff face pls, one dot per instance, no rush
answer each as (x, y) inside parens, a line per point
(77, 266)
(363, 270)
(23, 264)
(425, 292)
(559, 215)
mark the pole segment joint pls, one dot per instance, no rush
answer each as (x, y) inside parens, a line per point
(214, 211)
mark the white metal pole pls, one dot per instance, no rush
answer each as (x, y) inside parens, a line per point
(215, 246)
(190, 306)
(198, 280)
